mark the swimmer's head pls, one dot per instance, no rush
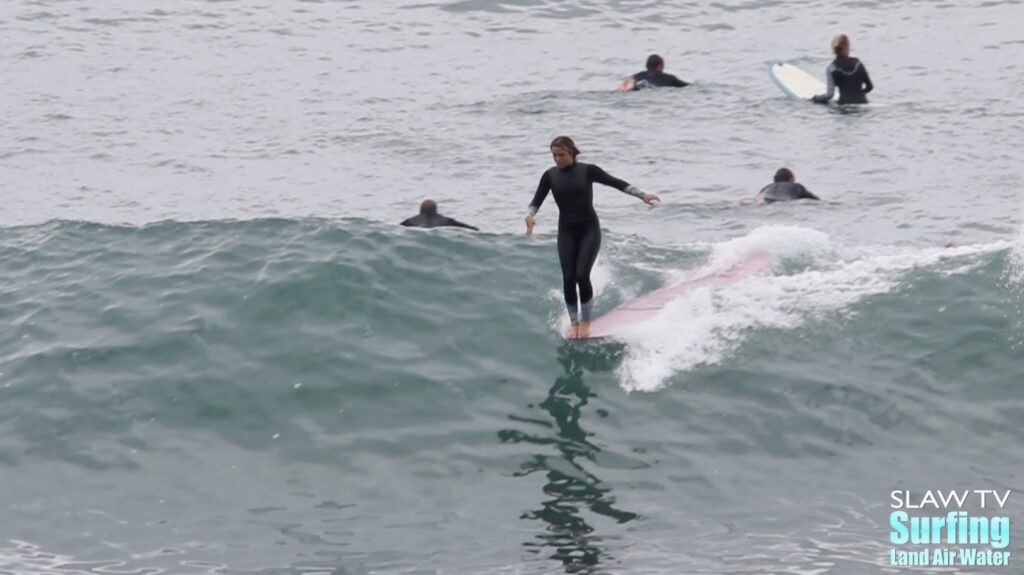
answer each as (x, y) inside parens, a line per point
(841, 45)
(564, 151)
(428, 208)
(655, 63)
(784, 175)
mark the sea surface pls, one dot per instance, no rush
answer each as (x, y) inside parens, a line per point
(220, 354)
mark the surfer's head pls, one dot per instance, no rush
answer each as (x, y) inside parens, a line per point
(841, 45)
(564, 151)
(784, 175)
(655, 63)
(428, 208)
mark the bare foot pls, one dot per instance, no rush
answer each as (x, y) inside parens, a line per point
(584, 330)
(573, 331)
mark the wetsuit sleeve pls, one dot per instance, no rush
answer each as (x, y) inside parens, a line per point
(636, 79)
(407, 222)
(676, 82)
(805, 193)
(599, 176)
(458, 224)
(542, 192)
(868, 86)
(830, 74)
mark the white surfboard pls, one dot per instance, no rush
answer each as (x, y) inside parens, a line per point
(796, 83)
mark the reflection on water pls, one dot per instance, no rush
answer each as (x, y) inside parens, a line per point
(24, 558)
(571, 488)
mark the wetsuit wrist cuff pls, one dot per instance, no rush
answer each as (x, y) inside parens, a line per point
(633, 191)
(531, 211)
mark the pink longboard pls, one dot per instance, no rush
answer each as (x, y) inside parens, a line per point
(648, 306)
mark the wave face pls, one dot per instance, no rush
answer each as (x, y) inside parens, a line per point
(297, 394)
(219, 354)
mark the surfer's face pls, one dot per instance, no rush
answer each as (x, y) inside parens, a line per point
(563, 158)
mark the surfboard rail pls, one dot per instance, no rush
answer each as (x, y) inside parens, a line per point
(794, 81)
(649, 305)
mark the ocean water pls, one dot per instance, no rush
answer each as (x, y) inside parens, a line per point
(220, 354)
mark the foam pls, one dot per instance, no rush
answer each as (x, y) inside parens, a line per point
(810, 279)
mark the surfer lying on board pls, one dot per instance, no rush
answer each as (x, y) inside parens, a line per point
(846, 73)
(653, 77)
(784, 188)
(579, 231)
(429, 218)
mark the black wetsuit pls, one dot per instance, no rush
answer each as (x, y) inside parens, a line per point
(579, 231)
(783, 191)
(434, 221)
(851, 77)
(649, 79)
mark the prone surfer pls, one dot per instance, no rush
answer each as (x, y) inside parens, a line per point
(846, 73)
(429, 218)
(784, 188)
(653, 77)
(579, 230)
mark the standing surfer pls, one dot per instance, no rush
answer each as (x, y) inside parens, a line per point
(579, 230)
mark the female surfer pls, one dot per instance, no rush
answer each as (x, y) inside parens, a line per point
(846, 73)
(579, 231)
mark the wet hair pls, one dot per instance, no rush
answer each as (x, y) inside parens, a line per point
(654, 62)
(428, 207)
(840, 43)
(566, 143)
(784, 175)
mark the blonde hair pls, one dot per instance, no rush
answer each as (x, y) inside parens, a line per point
(840, 42)
(566, 143)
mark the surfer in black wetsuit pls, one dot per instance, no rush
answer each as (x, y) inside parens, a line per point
(429, 218)
(846, 73)
(579, 231)
(784, 188)
(653, 77)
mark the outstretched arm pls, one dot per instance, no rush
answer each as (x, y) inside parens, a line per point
(676, 82)
(806, 194)
(458, 224)
(626, 85)
(599, 176)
